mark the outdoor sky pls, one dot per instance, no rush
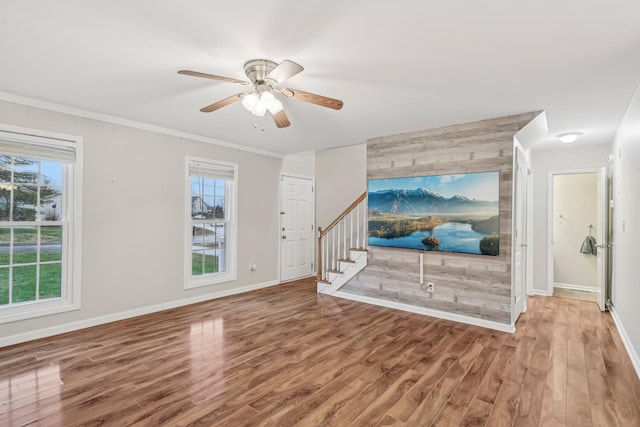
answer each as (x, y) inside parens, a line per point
(480, 186)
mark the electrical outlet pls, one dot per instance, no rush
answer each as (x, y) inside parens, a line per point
(430, 286)
(253, 267)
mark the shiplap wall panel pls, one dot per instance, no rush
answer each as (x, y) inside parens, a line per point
(471, 285)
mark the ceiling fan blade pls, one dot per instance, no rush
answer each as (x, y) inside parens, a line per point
(323, 101)
(217, 105)
(281, 119)
(212, 77)
(284, 71)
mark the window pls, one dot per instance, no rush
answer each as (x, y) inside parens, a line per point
(211, 231)
(38, 275)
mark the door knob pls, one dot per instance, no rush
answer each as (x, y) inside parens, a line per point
(284, 237)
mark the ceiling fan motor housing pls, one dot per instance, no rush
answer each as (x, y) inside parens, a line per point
(258, 69)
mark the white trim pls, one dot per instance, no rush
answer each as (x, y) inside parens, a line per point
(541, 292)
(231, 242)
(575, 287)
(550, 228)
(72, 256)
(82, 324)
(504, 327)
(633, 355)
(31, 102)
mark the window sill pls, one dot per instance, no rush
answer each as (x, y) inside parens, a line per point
(213, 279)
(36, 309)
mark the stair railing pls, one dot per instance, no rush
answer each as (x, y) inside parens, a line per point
(348, 231)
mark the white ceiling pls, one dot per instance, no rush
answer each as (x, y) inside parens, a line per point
(399, 66)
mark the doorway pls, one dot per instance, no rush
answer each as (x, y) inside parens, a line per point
(297, 227)
(577, 218)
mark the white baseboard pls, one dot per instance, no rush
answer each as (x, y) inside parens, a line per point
(541, 292)
(635, 360)
(87, 323)
(504, 327)
(575, 287)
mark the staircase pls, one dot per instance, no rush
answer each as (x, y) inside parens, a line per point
(342, 247)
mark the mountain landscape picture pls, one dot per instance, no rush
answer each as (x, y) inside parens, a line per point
(449, 213)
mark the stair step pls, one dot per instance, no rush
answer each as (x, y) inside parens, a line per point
(326, 282)
(335, 271)
(358, 249)
(347, 260)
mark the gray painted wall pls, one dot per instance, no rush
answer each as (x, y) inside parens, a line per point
(564, 157)
(133, 215)
(626, 227)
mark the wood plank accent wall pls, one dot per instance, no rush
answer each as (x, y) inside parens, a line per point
(471, 285)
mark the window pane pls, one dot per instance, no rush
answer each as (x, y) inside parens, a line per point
(50, 280)
(50, 243)
(207, 188)
(5, 201)
(25, 245)
(211, 264)
(5, 235)
(221, 248)
(25, 170)
(5, 169)
(197, 261)
(50, 203)
(218, 208)
(195, 186)
(4, 286)
(24, 283)
(24, 203)
(50, 173)
(208, 249)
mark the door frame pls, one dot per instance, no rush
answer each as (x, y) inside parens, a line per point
(550, 220)
(524, 213)
(279, 230)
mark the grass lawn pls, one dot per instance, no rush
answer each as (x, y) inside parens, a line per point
(203, 264)
(28, 257)
(24, 282)
(28, 234)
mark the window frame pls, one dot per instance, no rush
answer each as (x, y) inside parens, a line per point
(231, 218)
(71, 225)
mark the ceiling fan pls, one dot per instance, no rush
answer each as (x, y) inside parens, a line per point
(265, 76)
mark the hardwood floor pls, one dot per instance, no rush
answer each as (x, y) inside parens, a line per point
(286, 356)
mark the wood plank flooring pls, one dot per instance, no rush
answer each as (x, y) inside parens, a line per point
(286, 356)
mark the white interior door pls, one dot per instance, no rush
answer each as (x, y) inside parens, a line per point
(519, 235)
(296, 237)
(601, 236)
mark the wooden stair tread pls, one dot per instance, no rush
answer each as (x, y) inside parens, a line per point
(335, 271)
(326, 282)
(358, 249)
(348, 260)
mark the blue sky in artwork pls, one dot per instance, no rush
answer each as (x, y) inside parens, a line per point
(480, 186)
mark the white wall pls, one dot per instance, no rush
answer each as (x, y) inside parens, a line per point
(575, 207)
(626, 228)
(300, 163)
(564, 157)
(133, 216)
(341, 176)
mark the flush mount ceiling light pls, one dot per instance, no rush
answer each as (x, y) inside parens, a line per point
(569, 137)
(265, 76)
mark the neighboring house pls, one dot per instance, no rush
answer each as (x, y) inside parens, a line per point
(200, 208)
(51, 208)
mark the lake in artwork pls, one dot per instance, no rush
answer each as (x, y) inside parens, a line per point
(448, 213)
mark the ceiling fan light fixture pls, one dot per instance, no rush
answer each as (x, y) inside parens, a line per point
(259, 109)
(276, 107)
(249, 101)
